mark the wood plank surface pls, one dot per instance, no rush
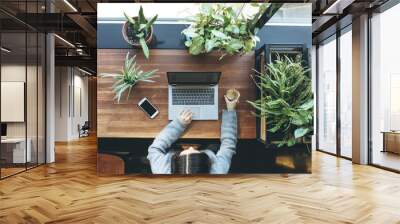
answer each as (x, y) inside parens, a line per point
(126, 120)
(69, 191)
(108, 165)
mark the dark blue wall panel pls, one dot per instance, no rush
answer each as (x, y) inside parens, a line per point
(285, 35)
(168, 36)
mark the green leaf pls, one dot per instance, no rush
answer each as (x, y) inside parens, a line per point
(235, 44)
(249, 45)
(190, 33)
(107, 75)
(151, 22)
(219, 34)
(243, 28)
(300, 132)
(210, 44)
(142, 19)
(197, 46)
(218, 17)
(144, 47)
(291, 142)
(188, 43)
(129, 19)
(308, 105)
(235, 29)
(129, 92)
(142, 27)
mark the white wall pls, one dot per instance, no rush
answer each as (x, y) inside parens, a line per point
(70, 84)
(79, 117)
(62, 81)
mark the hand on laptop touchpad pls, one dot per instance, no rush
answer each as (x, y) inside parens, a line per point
(195, 111)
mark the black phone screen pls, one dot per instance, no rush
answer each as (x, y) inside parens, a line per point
(150, 110)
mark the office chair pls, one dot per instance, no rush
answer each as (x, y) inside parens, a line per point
(84, 130)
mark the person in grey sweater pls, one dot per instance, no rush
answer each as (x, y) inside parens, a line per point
(191, 160)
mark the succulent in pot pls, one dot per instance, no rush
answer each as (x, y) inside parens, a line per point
(130, 76)
(138, 31)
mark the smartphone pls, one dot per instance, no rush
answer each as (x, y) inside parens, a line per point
(148, 108)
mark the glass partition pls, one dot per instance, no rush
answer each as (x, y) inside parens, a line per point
(327, 96)
(335, 94)
(22, 88)
(346, 93)
(13, 93)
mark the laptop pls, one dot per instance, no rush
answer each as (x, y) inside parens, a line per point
(197, 91)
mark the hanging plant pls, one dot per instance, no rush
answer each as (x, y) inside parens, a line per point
(129, 77)
(220, 27)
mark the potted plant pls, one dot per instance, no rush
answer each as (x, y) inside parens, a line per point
(220, 27)
(138, 31)
(287, 101)
(129, 77)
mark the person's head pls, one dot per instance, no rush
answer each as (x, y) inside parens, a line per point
(190, 161)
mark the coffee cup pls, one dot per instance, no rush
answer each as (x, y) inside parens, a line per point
(232, 94)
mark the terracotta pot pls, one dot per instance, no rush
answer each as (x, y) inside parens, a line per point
(136, 43)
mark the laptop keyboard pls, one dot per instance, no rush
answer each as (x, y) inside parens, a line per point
(196, 96)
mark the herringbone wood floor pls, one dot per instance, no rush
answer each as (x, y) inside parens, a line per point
(70, 192)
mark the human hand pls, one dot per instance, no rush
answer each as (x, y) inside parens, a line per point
(185, 117)
(231, 103)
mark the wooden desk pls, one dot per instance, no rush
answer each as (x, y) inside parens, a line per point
(125, 120)
(13, 150)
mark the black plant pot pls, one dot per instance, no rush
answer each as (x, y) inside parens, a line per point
(295, 159)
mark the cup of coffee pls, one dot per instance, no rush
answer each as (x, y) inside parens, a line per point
(232, 94)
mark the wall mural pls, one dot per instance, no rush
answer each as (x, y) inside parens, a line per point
(208, 89)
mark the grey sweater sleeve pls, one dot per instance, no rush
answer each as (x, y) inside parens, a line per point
(228, 143)
(158, 155)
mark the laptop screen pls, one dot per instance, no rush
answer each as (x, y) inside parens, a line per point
(193, 78)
